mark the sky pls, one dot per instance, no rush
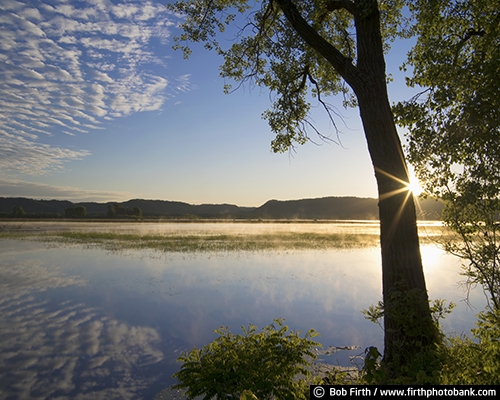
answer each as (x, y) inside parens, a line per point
(95, 105)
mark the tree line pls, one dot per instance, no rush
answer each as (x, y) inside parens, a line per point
(115, 210)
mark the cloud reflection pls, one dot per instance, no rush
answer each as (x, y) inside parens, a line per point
(65, 349)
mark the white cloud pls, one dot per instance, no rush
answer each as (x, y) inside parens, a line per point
(18, 153)
(67, 63)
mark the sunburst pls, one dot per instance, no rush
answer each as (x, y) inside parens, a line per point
(411, 189)
(414, 185)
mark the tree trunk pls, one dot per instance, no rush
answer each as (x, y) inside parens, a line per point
(407, 320)
(409, 330)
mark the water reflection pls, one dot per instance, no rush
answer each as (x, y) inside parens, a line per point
(86, 323)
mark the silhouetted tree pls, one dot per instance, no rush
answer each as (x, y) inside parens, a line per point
(304, 49)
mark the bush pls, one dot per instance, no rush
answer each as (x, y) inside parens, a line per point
(474, 362)
(269, 364)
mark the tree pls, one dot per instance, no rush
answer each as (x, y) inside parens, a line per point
(454, 127)
(311, 49)
(18, 212)
(80, 211)
(111, 210)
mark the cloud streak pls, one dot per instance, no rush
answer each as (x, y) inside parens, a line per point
(20, 188)
(67, 66)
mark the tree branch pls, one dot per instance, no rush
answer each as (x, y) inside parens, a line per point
(334, 5)
(341, 63)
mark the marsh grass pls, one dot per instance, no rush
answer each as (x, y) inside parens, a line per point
(190, 243)
(200, 242)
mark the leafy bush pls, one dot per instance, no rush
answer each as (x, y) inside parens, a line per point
(271, 364)
(458, 360)
(274, 363)
(467, 361)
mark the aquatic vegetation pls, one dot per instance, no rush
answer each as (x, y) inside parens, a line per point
(192, 241)
(189, 243)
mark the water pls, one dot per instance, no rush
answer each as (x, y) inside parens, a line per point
(81, 322)
(160, 227)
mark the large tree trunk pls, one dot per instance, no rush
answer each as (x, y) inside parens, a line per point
(407, 320)
(409, 330)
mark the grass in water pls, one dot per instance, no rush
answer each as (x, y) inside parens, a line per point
(189, 243)
(218, 242)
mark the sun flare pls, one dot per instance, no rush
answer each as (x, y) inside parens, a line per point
(414, 185)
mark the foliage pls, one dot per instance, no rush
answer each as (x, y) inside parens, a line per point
(475, 221)
(269, 52)
(425, 363)
(456, 360)
(241, 366)
(111, 210)
(267, 363)
(116, 209)
(78, 211)
(473, 362)
(454, 127)
(18, 212)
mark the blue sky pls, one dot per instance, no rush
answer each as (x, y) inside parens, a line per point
(96, 106)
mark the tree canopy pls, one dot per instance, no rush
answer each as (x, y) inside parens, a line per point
(299, 63)
(454, 120)
(454, 126)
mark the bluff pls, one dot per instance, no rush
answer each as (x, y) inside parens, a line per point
(326, 208)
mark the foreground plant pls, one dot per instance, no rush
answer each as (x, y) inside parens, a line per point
(426, 364)
(272, 363)
(467, 361)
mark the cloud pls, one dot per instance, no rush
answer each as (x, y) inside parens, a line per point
(21, 153)
(19, 188)
(67, 66)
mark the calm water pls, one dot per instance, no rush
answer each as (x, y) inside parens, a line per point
(86, 323)
(203, 228)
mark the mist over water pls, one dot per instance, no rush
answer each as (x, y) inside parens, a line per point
(83, 322)
(208, 228)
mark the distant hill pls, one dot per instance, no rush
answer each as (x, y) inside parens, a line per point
(322, 208)
(329, 208)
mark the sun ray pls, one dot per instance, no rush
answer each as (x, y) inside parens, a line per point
(408, 188)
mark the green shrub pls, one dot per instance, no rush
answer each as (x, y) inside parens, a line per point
(467, 361)
(269, 364)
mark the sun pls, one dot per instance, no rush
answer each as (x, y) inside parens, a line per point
(414, 185)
